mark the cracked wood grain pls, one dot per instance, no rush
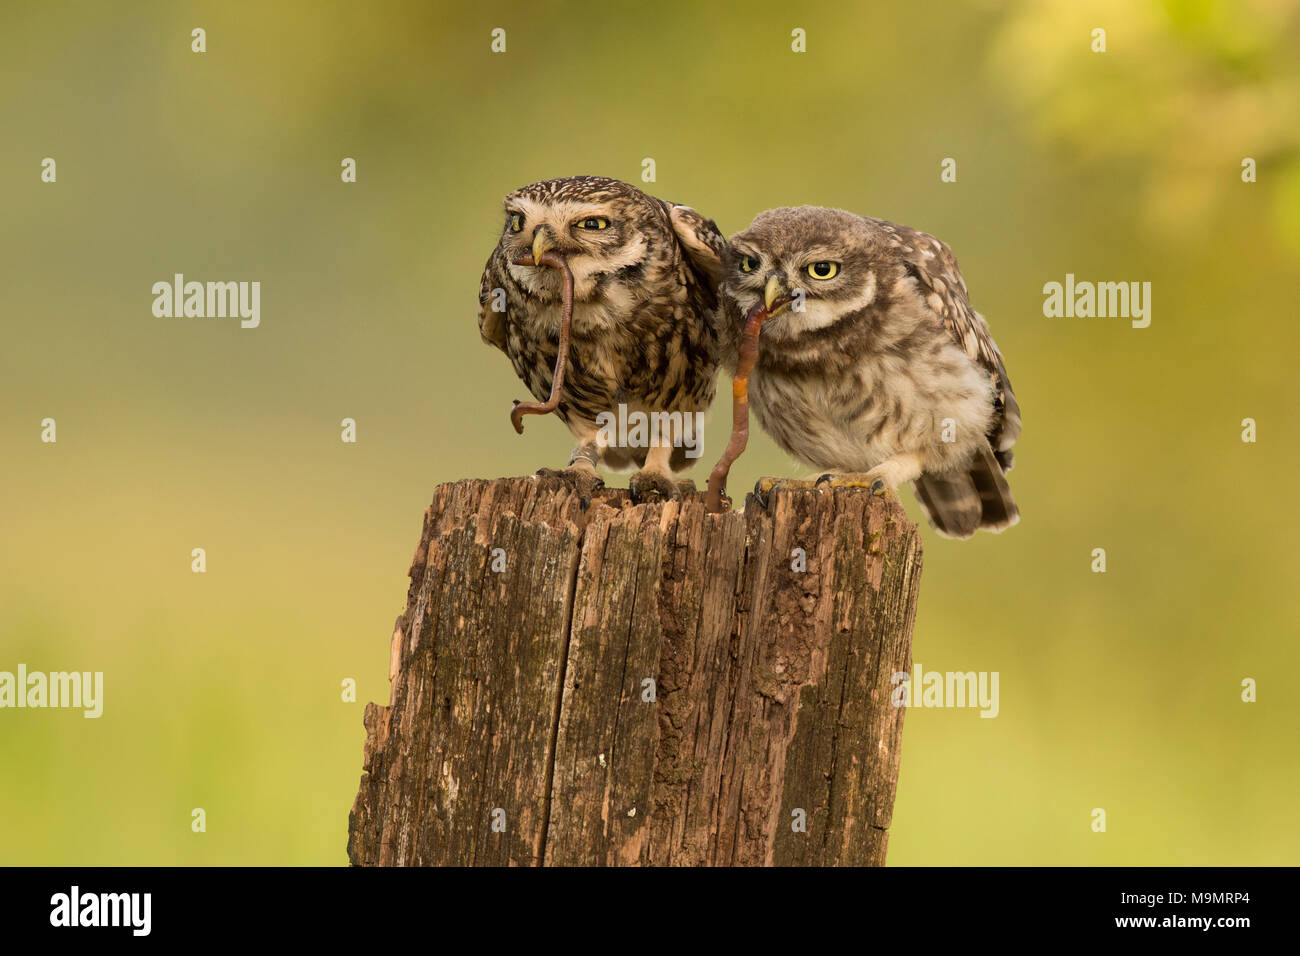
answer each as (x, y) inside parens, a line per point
(642, 685)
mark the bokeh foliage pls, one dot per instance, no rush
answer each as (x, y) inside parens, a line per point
(222, 690)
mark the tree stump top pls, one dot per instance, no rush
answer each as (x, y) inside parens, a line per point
(642, 684)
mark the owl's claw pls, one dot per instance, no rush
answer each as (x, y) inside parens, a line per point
(583, 481)
(651, 485)
(874, 484)
(765, 486)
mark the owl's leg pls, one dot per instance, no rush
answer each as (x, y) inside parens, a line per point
(881, 480)
(581, 473)
(655, 479)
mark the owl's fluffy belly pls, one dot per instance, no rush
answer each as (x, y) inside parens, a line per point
(857, 418)
(604, 374)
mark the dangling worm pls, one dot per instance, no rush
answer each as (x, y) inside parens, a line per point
(555, 261)
(748, 357)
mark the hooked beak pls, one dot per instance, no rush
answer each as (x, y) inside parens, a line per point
(542, 242)
(775, 294)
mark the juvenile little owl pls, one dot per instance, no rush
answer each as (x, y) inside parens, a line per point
(644, 330)
(874, 368)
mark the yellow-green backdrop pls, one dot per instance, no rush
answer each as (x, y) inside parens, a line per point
(1119, 690)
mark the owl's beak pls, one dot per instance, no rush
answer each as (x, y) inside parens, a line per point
(773, 294)
(542, 242)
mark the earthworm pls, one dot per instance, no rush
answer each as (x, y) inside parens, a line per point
(555, 261)
(748, 357)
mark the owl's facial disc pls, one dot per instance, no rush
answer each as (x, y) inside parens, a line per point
(804, 286)
(755, 279)
(593, 239)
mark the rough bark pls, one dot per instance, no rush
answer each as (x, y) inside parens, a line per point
(522, 697)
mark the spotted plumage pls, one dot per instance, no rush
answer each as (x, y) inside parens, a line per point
(645, 323)
(880, 368)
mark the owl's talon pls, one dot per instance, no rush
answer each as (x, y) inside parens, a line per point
(647, 486)
(584, 482)
(651, 486)
(872, 484)
(764, 487)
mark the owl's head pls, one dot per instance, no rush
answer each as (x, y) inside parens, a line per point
(811, 266)
(602, 227)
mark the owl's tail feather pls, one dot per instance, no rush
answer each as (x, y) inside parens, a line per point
(959, 504)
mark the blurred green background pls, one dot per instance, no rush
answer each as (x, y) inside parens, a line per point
(1118, 690)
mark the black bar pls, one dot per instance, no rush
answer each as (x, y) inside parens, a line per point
(485, 908)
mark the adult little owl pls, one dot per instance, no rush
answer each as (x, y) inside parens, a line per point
(874, 368)
(645, 311)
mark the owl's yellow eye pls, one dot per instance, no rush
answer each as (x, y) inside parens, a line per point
(747, 264)
(823, 270)
(592, 222)
(516, 222)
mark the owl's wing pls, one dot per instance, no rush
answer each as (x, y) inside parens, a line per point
(491, 324)
(703, 244)
(943, 290)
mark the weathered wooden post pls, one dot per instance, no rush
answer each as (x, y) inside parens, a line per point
(644, 684)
